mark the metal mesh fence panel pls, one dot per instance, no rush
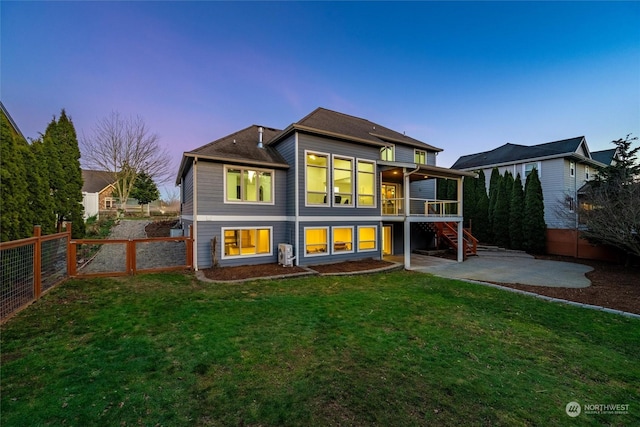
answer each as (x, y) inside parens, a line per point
(105, 257)
(161, 254)
(53, 262)
(16, 278)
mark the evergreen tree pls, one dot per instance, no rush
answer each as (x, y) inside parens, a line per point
(501, 214)
(62, 142)
(481, 217)
(494, 185)
(40, 204)
(469, 201)
(144, 189)
(533, 225)
(516, 214)
(13, 187)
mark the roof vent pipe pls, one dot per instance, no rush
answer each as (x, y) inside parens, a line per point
(260, 131)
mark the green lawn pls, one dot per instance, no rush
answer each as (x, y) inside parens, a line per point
(394, 349)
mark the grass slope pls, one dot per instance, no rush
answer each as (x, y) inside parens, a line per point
(388, 349)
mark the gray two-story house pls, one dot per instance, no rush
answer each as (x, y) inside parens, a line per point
(564, 167)
(332, 186)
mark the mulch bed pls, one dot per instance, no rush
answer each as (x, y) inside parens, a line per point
(160, 228)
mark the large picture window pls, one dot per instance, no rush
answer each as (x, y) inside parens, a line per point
(367, 238)
(366, 183)
(248, 185)
(342, 239)
(342, 181)
(316, 241)
(247, 242)
(317, 167)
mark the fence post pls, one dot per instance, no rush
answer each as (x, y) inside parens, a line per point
(71, 254)
(37, 262)
(131, 257)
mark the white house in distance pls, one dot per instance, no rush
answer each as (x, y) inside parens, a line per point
(563, 167)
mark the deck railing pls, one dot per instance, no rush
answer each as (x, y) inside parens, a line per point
(419, 206)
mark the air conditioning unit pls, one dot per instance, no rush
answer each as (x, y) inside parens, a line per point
(285, 255)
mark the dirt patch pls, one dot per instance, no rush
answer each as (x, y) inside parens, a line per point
(244, 272)
(351, 266)
(612, 286)
(160, 228)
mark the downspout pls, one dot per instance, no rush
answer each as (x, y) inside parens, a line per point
(407, 224)
(195, 213)
(296, 220)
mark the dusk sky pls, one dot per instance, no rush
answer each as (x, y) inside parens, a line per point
(465, 77)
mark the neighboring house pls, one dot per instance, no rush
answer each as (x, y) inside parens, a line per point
(333, 186)
(563, 166)
(97, 190)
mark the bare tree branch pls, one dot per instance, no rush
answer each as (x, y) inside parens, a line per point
(125, 147)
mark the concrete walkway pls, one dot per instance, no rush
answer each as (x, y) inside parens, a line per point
(506, 267)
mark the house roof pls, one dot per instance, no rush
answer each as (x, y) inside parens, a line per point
(13, 124)
(604, 156)
(330, 123)
(510, 153)
(96, 181)
(239, 147)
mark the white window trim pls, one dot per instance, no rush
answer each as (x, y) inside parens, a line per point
(393, 152)
(304, 246)
(572, 168)
(329, 180)
(415, 154)
(333, 251)
(587, 173)
(538, 167)
(375, 185)
(248, 202)
(354, 172)
(223, 229)
(375, 227)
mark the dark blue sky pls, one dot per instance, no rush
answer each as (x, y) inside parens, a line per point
(465, 77)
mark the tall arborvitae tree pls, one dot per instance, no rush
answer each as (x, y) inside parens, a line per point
(516, 214)
(501, 214)
(68, 189)
(533, 225)
(494, 185)
(469, 201)
(40, 203)
(481, 217)
(13, 187)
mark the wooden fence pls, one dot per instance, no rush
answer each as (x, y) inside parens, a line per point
(30, 267)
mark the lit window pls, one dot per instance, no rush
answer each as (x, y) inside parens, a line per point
(249, 185)
(366, 183)
(342, 181)
(316, 179)
(247, 242)
(367, 239)
(572, 168)
(342, 239)
(316, 241)
(387, 153)
(421, 157)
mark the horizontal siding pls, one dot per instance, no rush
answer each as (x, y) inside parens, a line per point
(207, 230)
(211, 197)
(186, 193)
(348, 149)
(328, 258)
(287, 150)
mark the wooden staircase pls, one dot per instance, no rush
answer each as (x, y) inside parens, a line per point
(447, 232)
